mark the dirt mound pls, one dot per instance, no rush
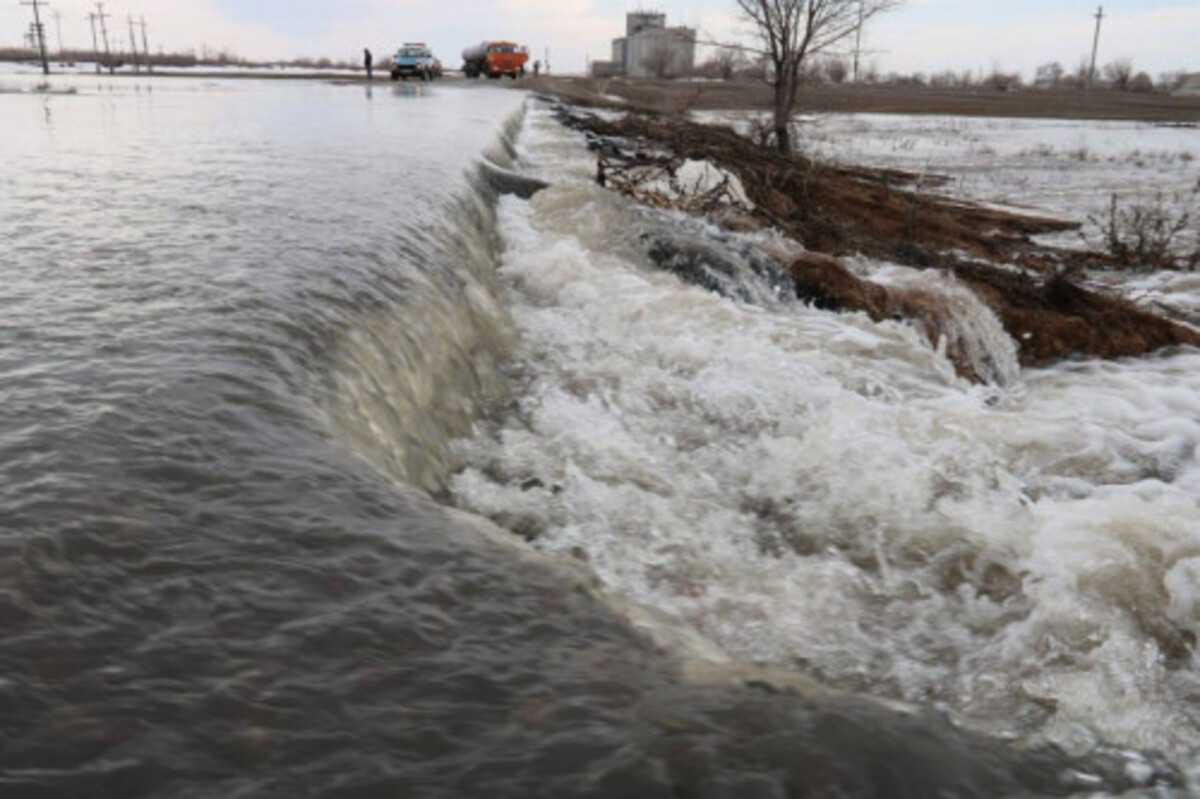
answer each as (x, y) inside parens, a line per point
(1050, 317)
(878, 212)
(825, 283)
(889, 215)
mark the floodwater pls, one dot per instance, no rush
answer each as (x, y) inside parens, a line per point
(270, 352)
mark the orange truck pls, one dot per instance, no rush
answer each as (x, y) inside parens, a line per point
(495, 59)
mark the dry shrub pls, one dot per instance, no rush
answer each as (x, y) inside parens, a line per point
(1143, 236)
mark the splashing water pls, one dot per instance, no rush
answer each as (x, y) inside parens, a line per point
(822, 492)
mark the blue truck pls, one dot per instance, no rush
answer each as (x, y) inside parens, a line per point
(415, 60)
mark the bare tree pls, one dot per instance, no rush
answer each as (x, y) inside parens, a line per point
(1119, 73)
(1141, 83)
(791, 31)
(1050, 74)
(726, 62)
(837, 70)
(658, 61)
(1002, 81)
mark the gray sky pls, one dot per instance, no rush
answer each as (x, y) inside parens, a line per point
(924, 35)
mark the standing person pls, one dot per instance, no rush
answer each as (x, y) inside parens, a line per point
(367, 62)
(537, 68)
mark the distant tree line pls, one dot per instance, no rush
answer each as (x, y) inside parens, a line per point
(205, 57)
(1119, 75)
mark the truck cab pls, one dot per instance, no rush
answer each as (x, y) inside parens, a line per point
(494, 59)
(415, 60)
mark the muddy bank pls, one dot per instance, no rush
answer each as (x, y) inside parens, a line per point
(889, 215)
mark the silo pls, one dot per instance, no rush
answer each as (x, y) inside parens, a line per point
(661, 52)
(618, 55)
(637, 21)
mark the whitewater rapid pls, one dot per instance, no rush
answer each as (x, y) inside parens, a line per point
(822, 492)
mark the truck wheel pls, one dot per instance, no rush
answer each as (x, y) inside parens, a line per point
(395, 76)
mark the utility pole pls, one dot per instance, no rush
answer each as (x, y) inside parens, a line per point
(100, 15)
(146, 47)
(39, 31)
(95, 46)
(858, 40)
(137, 66)
(1095, 47)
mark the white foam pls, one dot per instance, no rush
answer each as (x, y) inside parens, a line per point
(820, 492)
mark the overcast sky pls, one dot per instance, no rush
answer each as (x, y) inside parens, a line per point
(924, 35)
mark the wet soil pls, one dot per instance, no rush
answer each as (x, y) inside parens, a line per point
(1036, 291)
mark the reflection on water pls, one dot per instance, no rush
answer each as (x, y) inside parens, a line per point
(409, 90)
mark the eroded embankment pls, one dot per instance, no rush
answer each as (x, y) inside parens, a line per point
(888, 215)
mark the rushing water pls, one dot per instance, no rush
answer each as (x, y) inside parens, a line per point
(821, 492)
(256, 336)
